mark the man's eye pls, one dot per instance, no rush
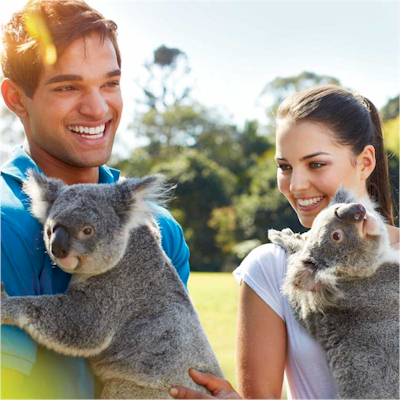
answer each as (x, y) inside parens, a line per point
(113, 84)
(64, 88)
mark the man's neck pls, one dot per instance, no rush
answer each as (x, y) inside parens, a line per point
(56, 168)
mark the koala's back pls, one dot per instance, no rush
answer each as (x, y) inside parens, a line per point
(361, 337)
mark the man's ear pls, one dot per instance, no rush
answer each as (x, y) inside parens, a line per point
(366, 161)
(13, 97)
(43, 191)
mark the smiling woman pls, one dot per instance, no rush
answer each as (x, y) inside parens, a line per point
(326, 138)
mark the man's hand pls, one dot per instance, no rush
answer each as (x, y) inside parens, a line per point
(218, 387)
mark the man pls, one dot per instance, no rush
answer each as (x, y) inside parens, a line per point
(62, 70)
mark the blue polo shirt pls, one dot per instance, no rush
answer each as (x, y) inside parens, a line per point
(26, 269)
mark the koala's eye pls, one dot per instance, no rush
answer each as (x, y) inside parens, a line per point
(337, 235)
(86, 232)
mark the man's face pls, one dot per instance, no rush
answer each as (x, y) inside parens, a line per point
(74, 113)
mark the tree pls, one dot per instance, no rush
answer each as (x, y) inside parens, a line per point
(202, 186)
(391, 109)
(277, 90)
(166, 81)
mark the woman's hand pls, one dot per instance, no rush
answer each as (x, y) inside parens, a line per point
(220, 388)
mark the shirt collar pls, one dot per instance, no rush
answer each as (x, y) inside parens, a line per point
(20, 162)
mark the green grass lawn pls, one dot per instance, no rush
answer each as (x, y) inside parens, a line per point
(215, 296)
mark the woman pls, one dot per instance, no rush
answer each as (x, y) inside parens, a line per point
(326, 137)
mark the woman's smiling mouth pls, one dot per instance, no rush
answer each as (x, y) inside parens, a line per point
(308, 204)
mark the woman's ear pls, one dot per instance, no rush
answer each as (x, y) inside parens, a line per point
(366, 161)
(13, 97)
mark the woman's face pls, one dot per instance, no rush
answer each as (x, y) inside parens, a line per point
(311, 166)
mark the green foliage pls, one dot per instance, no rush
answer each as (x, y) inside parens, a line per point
(281, 87)
(226, 196)
(391, 133)
(391, 109)
(203, 185)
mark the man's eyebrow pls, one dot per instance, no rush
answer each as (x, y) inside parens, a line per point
(63, 78)
(305, 157)
(74, 77)
(114, 73)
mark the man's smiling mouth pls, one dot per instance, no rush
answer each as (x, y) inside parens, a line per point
(89, 132)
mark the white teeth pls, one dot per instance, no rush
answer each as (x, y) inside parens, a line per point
(309, 202)
(88, 131)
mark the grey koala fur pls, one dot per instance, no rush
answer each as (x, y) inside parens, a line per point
(125, 309)
(342, 282)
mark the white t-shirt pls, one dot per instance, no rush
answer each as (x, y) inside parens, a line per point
(307, 371)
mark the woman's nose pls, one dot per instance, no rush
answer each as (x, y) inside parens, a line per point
(299, 181)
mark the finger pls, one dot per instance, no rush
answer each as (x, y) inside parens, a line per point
(181, 392)
(213, 383)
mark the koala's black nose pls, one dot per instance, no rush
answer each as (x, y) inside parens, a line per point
(60, 242)
(351, 213)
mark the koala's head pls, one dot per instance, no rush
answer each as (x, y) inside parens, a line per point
(347, 240)
(86, 226)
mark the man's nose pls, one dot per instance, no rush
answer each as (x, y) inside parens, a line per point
(94, 105)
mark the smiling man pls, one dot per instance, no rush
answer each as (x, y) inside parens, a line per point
(70, 107)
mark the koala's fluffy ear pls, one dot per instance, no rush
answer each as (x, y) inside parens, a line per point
(43, 191)
(287, 239)
(343, 196)
(136, 198)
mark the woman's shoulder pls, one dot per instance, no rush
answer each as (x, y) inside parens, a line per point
(263, 270)
(266, 255)
(266, 262)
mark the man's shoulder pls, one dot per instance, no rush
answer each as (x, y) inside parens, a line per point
(15, 213)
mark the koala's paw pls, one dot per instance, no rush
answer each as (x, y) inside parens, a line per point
(287, 239)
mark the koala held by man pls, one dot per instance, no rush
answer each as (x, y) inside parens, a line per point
(125, 309)
(342, 282)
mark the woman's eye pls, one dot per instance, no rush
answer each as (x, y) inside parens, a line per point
(316, 164)
(284, 167)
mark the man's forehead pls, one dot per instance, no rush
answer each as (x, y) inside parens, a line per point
(86, 57)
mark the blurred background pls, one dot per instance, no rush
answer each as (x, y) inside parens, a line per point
(201, 83)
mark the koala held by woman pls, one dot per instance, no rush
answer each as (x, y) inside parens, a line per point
(343, 285)
(125, 309)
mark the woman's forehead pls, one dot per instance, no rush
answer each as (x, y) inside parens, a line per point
(306, 138)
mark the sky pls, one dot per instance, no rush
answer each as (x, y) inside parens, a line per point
(236, 47)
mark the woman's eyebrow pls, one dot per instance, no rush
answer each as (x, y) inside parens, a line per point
(314, 155)
(304, 157)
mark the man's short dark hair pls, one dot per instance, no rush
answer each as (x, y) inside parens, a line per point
(22, 60)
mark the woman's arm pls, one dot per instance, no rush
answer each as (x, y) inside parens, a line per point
(261, 347)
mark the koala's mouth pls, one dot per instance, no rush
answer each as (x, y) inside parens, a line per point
(69, 264)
